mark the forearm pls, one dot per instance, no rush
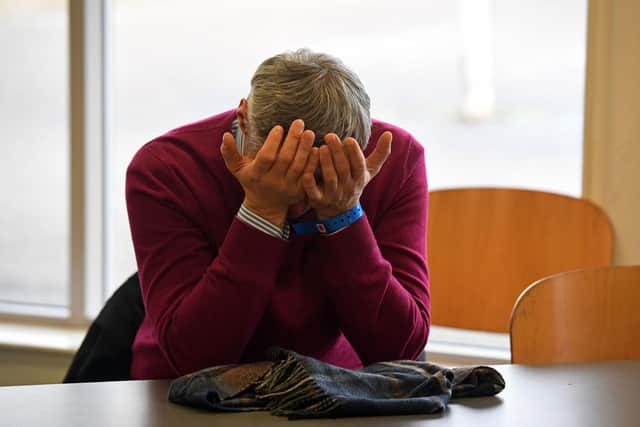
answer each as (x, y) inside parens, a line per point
(205, 282)
(210, 322)
(383, 311)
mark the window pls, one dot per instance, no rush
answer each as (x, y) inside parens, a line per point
(34, 166)
(493, 89)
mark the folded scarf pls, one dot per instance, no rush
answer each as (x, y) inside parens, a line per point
(297, 386)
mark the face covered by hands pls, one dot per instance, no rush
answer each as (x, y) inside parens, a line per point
(281, 174)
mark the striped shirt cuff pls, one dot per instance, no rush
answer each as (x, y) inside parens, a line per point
(256, 221)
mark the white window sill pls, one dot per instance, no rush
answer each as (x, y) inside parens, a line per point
(451, 346)
(447, 346)
(36, 337)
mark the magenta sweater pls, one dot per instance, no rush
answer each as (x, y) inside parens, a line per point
(218, 291)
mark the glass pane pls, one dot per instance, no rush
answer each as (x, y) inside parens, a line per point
(34, 207)
(493, 89)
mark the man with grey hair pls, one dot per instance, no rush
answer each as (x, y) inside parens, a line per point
(277, 224)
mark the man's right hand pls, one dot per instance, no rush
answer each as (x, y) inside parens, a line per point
(271, 180)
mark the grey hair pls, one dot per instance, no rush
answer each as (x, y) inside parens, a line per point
(314, 87)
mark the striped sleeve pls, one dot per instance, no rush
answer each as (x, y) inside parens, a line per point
(248, 217)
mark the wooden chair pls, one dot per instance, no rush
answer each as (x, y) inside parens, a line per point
(580, 316)
(486, 245)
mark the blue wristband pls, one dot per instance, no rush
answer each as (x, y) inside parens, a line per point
(330, 225)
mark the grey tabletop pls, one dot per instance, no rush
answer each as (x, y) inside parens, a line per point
(599, 394)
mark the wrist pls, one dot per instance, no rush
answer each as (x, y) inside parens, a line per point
(328, 213)
(275, 215)
(331, 225)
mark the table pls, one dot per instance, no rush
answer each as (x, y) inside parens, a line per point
(598, 394)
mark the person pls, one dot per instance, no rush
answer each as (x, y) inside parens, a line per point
(289, 221)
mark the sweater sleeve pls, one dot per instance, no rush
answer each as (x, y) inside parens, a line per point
(378, 280)
(204, 302)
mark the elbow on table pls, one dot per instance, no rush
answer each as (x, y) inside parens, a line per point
(409, 347)
(184, 357)
(417, 340)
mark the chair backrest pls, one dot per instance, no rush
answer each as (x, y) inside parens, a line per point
(486, 245)
(105, 352)
(580, 316)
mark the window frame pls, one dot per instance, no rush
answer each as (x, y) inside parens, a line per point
(90, 112)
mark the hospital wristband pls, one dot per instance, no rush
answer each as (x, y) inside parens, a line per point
(331, 225)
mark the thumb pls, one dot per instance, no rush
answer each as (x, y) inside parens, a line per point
(232, 158)
(380, 154)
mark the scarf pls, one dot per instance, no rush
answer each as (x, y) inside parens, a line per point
(297, 386)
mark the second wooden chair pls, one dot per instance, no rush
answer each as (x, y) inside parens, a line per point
(580, 316)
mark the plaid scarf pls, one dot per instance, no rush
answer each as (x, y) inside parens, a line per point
(297, 386)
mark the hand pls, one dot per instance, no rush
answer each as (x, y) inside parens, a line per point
(272, 179)
(345, 173)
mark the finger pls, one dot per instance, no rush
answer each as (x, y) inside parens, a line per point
(312, 164)
(268, 153)
(313, 161)
(340, 161)
(329, 176)
(229, 150)
(301, 158)
(314, 194)
(289, 147)
(380, 154)
(357, 161)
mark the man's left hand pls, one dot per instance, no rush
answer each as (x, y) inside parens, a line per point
(345, 174)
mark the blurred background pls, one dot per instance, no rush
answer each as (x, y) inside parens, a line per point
(493, 89)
